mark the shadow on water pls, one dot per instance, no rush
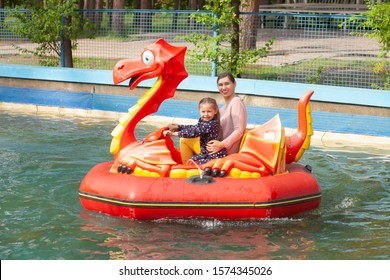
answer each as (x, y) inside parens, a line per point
(43, 161)
(202, 239)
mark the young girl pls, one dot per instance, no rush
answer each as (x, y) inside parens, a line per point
(208, 128)
(233, 120)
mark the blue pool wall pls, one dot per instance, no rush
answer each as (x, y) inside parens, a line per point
(323, 121)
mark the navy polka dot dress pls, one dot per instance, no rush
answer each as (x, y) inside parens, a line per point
(207, 131)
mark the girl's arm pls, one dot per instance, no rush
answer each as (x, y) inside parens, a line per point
(173, 127)
(170, 133)
(192, 131)
(183, 131)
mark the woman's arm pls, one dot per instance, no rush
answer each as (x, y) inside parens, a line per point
(238, 117)
(237, 124)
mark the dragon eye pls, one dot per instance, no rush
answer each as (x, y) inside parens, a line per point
(148, 57)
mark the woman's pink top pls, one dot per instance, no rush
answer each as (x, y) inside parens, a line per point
(233, 119)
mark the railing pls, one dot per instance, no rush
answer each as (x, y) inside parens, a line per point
(308, 48)
(326, 8)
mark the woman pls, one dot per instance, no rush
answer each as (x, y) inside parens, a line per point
(233, 119)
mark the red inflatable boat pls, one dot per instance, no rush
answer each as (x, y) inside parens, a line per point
(147, 180)
(149, 198)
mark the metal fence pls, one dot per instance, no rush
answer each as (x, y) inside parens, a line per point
(308, 48)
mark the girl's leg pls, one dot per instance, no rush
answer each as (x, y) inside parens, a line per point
(188, 148)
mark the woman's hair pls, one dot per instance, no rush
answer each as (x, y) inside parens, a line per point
(226, 74)
(213, 103)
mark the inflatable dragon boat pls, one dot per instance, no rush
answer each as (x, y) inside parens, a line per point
(147, 180)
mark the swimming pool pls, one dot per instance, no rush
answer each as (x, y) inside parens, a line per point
(43, 160)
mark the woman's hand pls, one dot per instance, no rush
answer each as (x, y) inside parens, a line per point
(214, 146)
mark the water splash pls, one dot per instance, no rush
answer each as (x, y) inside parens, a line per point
(347, 202)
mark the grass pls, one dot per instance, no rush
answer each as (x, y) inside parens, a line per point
(348, 73)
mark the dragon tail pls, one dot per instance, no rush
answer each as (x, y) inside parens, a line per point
(299, 142)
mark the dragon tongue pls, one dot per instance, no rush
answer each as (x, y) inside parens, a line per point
(132, 80)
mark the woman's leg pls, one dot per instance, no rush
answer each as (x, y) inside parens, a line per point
(188, 148)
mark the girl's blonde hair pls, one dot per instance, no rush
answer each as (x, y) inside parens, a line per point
(214, 105)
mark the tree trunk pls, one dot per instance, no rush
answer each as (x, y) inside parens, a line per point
(177, 4)
(2, 15)
(146, 17)
(200, 4)
(80, 5)
(136, 16)
(68, 55)
(98, 15)
(109, 6)
(177, 7)
(192, 6)
(118, 17)
(89, 5)
(137, 4)
(235, 41)
(68, 52)
(249, 24)
(39, 2)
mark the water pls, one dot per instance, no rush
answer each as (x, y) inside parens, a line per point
(44, 159)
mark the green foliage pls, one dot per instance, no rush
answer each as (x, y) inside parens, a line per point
(316, 78)
(378, 19)
(217, 48)
(376, 25)
(45, 26)
(164, 5)
(382, 69)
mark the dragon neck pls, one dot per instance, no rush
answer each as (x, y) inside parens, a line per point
(123, 133)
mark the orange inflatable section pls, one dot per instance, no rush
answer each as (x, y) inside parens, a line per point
(266, 143)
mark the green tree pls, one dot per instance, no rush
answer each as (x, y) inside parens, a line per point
(375, 24)
(47, 25)
(223, 48)
(378, 21)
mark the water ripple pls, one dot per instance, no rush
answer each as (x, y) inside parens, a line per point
(43, 161)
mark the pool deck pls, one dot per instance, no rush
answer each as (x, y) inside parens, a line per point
(360, 116)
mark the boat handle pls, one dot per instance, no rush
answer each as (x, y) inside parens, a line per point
(200, 180)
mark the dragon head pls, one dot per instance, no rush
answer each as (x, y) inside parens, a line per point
(159, 60)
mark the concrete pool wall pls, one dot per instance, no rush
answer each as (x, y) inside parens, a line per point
(339, 113)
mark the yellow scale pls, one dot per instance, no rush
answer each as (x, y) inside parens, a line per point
(306, 143)
(123, 121)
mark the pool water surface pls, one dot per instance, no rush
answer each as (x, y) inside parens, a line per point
(44, 159)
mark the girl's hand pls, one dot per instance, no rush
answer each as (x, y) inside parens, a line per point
(173, 127)
(170, 133)
(214, 146)
(167, 133)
